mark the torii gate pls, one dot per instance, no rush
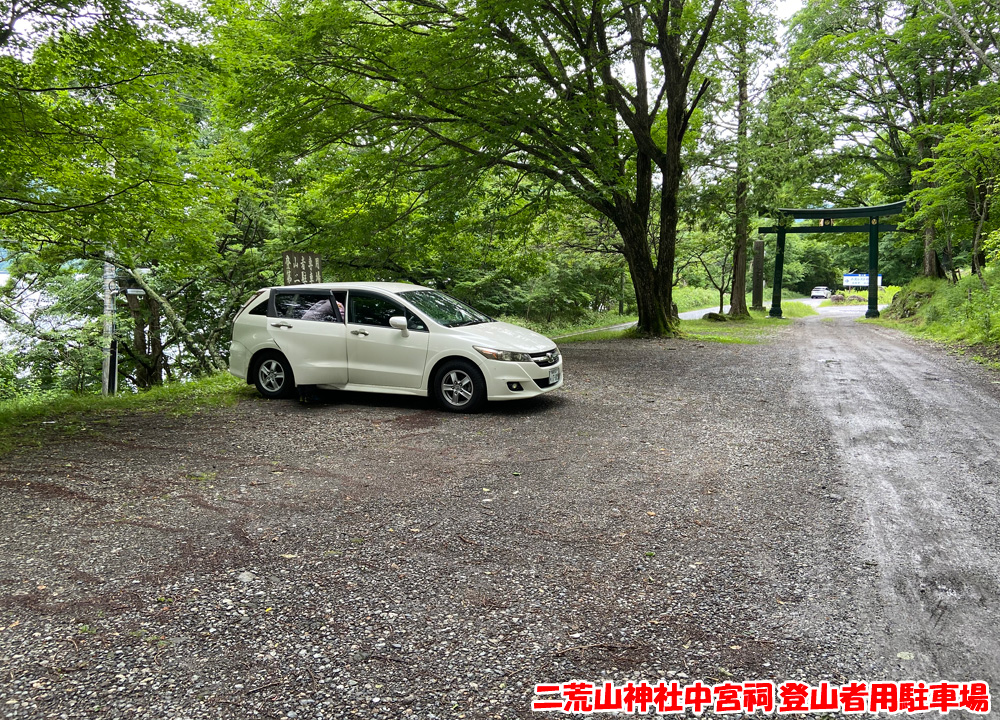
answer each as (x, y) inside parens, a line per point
(826, 217)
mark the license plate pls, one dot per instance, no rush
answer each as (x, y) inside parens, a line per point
(554, 375)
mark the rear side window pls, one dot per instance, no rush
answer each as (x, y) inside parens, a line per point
(259, 309)
(306, 306)
(261, 296)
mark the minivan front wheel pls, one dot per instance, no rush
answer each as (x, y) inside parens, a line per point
(273, 376)
(459, 386)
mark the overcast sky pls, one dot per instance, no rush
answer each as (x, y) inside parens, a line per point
(786, 8)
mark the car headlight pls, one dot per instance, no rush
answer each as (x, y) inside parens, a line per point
(505, 355)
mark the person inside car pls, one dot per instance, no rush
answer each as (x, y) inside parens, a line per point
(322, 311)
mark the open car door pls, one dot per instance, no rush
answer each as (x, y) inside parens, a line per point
(308, 328)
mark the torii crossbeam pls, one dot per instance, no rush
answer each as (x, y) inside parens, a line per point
(826, 217)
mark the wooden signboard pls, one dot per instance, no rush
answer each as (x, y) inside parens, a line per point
(302, 268)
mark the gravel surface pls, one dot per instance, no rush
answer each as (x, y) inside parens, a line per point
(681, 509)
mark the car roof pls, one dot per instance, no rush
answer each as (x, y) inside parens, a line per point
(390, 287)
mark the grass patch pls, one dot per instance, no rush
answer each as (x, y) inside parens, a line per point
(748, 332)
(708, 300)
(991, 362)
(961, 316)
(692, 298)
(590, 324)
(959, 313)
(758, 327)
(67, 412)
(555, 328)
(797, 310)
(597, 335)
(743, 333)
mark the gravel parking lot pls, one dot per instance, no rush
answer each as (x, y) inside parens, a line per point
(680, 509)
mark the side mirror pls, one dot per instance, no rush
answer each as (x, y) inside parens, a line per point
(399, 322)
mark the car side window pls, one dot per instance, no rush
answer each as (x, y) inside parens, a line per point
(259, 309)
(368, 309)
(415, 323)
(305, 306)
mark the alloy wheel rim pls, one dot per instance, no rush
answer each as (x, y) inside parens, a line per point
(457, 388)
(272, 375)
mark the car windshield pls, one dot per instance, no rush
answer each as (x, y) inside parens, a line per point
(443, 309)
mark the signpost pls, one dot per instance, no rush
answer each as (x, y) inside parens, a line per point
(859, 280)
(302, 268)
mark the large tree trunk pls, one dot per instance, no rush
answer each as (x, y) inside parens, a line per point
(949, 253)
(930, 255)
(678, 66)
(667, 251)
(213, 363)
(156, 343)
(654, 312)
(738, 297)
(140, 348)
(930, 268)
(977, 259)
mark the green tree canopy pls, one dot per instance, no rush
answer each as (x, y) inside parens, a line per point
(589, 98)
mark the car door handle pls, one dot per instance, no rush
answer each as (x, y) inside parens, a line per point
(281, 324)
(359, 332)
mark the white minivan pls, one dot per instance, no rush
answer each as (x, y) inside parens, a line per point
(389, 338)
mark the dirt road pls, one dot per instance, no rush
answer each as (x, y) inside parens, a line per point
(917, 438)
(820, 506)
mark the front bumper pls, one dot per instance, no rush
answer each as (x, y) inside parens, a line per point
(504, 378)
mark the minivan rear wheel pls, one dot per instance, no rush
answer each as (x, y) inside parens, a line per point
(273, 376)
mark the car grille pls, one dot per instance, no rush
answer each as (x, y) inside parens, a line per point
(547, 358)
(543, 383)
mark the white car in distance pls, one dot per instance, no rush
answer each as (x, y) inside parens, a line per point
(388, 338)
